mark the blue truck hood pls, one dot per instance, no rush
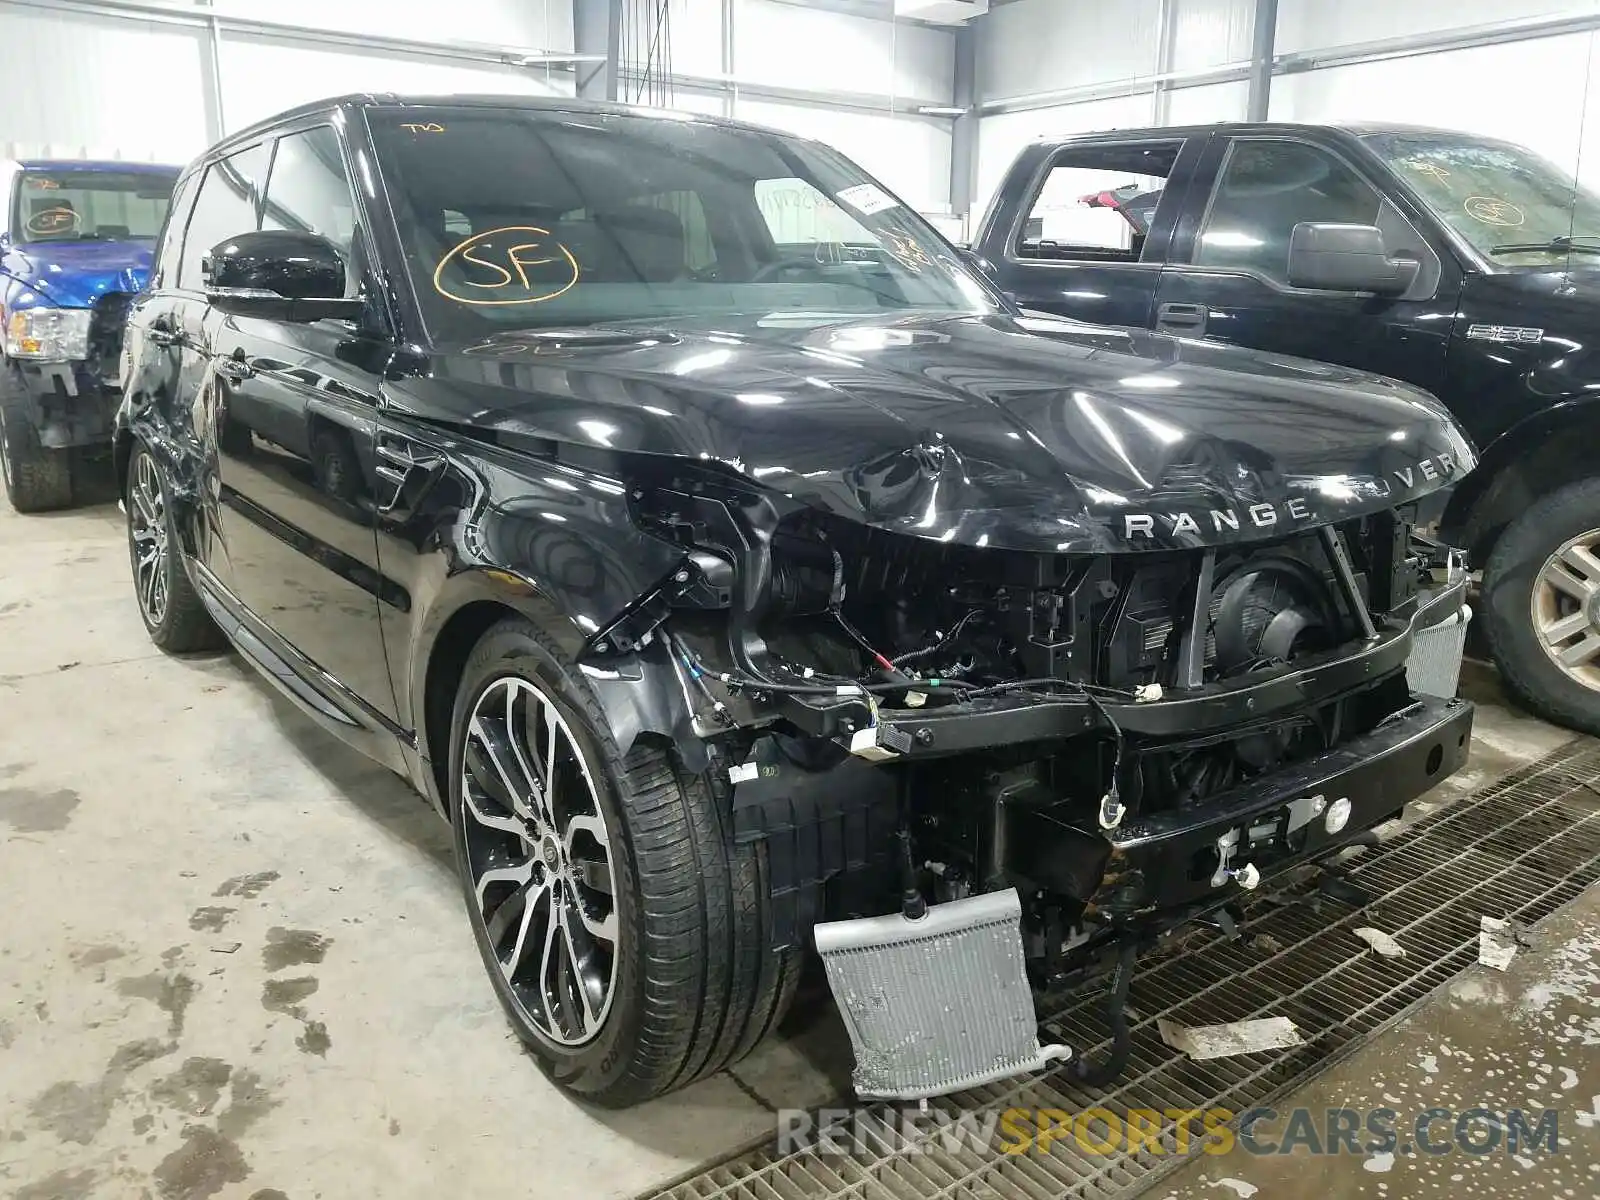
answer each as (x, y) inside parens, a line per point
(76, 274)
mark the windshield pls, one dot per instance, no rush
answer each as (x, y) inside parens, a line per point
(1494, 194)
(68, 206)
(520, 219)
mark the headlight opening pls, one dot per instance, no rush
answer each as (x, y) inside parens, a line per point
(49, 334)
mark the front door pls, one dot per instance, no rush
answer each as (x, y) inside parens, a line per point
(295, 434)
(1088, 239)
(1228, 280)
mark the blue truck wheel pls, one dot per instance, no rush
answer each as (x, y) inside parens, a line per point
(36, 479)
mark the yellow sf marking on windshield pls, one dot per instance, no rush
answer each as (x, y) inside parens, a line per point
(1491, 210)
(429, 127)
(511, 265)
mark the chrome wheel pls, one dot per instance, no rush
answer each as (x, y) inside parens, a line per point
(147, 525)
(540, 859)
(1566, 608)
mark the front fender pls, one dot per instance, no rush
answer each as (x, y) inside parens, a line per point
(499, 531)
(1544, 451)
(643, 693)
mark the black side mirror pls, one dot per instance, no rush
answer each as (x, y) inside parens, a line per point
(278, 275)
(1347, 258)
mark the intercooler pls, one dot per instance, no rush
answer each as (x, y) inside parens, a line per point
(1434, 668)
(1440, 636)
(938, 1003)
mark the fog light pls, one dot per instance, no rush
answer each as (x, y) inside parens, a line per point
(1338, 815)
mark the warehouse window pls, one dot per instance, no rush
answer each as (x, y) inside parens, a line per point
(1097, 202)
(225, 208)
(1267, 188)
(309, 191)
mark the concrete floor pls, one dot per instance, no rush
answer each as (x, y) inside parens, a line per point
(234, 961)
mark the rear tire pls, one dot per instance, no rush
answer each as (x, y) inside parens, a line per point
(689, 982)
(173, 613)
(37, 479)
(1541, 590)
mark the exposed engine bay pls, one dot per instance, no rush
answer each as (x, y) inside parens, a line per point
(923, 722)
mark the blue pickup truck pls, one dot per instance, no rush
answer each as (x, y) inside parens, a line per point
(76, 240)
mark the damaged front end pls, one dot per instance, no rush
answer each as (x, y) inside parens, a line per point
(982, 771)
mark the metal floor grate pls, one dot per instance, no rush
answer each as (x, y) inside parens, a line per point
(1520, 848)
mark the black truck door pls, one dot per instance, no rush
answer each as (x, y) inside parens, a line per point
(1081, 230)
(1228, 278)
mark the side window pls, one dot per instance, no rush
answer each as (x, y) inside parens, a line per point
(309, 190)
(167, 257)
(1267, 188)
(1097, 202)
(226, 206)
(801, 218)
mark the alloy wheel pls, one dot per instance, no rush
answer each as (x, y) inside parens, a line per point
(147, 523)
(540, 859)
(1566, 608)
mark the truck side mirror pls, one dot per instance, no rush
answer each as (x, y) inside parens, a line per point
(1347, 258)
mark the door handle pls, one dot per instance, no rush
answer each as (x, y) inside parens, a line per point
(162, 334)
(411, 470)
(235, 370)
(1182, 319)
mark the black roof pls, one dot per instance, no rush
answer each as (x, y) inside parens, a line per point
(1354, 128)
(483, 100)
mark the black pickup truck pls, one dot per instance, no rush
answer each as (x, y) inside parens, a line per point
(1467, 266)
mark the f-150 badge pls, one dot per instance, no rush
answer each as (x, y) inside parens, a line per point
(1505, 333)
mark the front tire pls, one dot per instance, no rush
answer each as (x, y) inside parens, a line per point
(625, 934)
(1542, 606)
(36, 479)
(173, 613)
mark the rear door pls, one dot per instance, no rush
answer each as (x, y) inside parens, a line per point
(1088, 237)
(225, 204)
(1228, 278)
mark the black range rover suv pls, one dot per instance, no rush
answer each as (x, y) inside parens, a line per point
(738, 572)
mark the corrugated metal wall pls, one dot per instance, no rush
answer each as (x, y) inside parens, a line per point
(100, 87)
(95, 82)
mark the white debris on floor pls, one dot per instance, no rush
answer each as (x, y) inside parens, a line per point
(1237, 1186)
(1497, 943)
(1201, 1042)
(1380, 942)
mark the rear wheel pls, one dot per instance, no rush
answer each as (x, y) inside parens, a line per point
(1542, 606)
(36, 479)
(624, 933)
(173, 613)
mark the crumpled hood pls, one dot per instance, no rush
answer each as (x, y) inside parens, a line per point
(76, 274)
(1029, 434)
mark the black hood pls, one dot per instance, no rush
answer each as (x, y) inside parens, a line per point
(1031, 434)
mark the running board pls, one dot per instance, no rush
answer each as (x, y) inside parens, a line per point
(277, 672)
